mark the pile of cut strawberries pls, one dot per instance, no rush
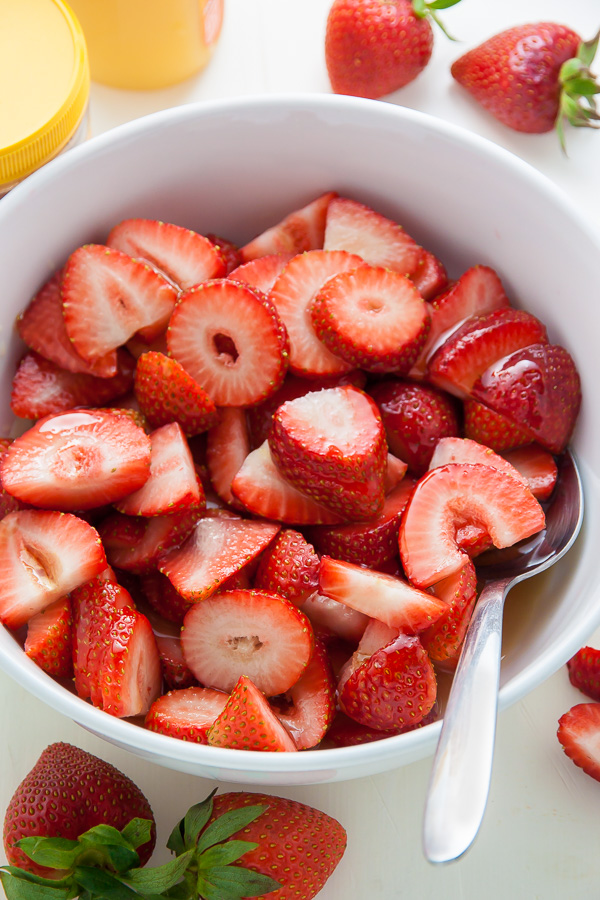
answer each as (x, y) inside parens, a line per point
(257, 478)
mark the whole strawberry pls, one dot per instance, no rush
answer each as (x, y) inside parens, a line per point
(374, 47)
(531, 77)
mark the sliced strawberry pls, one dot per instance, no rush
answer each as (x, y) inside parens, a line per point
(492, 429)
(383, 597)
(473, 539)
(394, 473)
(289, 567)
(42, 327)
(584, 671)
(375, 636)
(77, 459)
(478, 291)
(227, 446)
(174, 669)
(252, 632)
(538, 389)
(249, 723)
(8, 503)
(443, 640)
(107, 297)
(356, 228)
(371, 543)
(415, 417)
(292, 294)
(173, 484)
(579, 734)
(163, 598)
(537, 466)
(463, 450)
(479, 343)
(345, 732)
(394, 688)
(311, 702)
(166, 393)
(231, 340)
(137, 545)
(263, 491)
(451, 496)
(262, 273)
(372, 317)
(43, 556)
(216, 549)
(331, 445)
(50, 637)
(229, 251)
(138, 418)
(330, 617)
(301, 230)
(186, 714)
(430, 278)
(181, 255)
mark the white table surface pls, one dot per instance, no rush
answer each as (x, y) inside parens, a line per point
(539, 839)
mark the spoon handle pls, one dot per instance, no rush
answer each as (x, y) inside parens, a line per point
(462, 767)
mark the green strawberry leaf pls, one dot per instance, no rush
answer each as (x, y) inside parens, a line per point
(54, 853)
(571, 69)
(587, 51)
(175, 842)
(137, 832)
(17, 888)
(223, 854)
(235, 883)
(419, 8)
(159, 878)
(582, 87)
(102, 884)
(228, 824)
(196, 818)
(442, 4)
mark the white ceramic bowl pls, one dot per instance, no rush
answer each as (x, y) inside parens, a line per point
(234, 168)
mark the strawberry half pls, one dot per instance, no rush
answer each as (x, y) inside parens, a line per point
(288, 567)
(77, 460)
(372, 317)
(40, 388)
(430, 278)
(357, 229)
(43, 556)
(247, 632)
(579, 734)
(50, 637)
(458, 494)
(299, 231)
(186, 714)
(166, 393)
(107, 297)
(331, 445)
(230, 339)
(263, 272)
(487, 427)
(310, 702)
(227, 446)
(443, 640)
(217, 548)
(179, 254)
(584, 671)
(248, 722)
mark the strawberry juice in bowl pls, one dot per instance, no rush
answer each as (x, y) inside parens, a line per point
(235, 169)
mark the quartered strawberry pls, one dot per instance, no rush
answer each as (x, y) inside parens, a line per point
(107, 297)
(231, 340)
(227, 446)
(357, 229)
(163, 598)
(371, 543)
(181, 255)
(299, 231)
(263, 491)
(331, 445)
(394, 688)
(49, 641)
(579, 734)
(584, 672)
(172, 485)
(443, 640)
(372, 317)
(167, 393)
(331, 618)
(487, 427)
(310, 703)
(41, 388)
(262, 273)
(229, 251)
(430, 278)
(289, 567)
(458, 494)
(479, 343)
(292, 294)
(217, 548)
(376, 635)
(537, 466)
(255, 633)
(415, 417)
(43, 556)
(186, 713)
(538, 389)
(383, 597)
(77, 460)
(137, 544)
(42, 327)
(463, 450)
(248, 722)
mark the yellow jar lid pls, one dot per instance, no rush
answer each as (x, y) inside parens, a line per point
(45, 80)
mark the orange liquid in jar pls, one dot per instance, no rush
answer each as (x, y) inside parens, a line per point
(143, 44)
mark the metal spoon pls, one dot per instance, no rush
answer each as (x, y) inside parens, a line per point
(462, 767)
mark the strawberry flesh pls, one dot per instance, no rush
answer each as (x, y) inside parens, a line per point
(49, 639)
(187, 713)
(301, 230)
(579, 734)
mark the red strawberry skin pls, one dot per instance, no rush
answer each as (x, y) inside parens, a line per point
(374, 48)
(166, 393)
(67, 792)
(289, 567)
(494, 430)
(186, 714)
(247, 722)
(49, 639)
(584, 672)
(515, 74)
(579, 734)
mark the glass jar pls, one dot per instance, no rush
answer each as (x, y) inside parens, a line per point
(45, 76)
(142, 44)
